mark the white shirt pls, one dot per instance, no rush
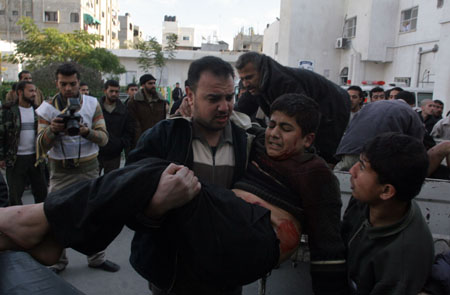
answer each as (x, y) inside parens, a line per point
(27, 140)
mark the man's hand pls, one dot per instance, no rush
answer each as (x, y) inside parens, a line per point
(185, 108)
(2, 164)
(84, 130)
(177, 186)
(57, 125)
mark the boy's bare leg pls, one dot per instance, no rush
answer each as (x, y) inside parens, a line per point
(25, 225)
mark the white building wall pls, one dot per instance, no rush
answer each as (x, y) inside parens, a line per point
(9, 72)
(175, 70)
(308, 30)
(442, 85)
(271, 40)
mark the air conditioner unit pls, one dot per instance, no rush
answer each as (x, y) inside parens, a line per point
(341, 43)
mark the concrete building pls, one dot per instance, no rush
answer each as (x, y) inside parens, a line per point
(219, 46)
(129, 33)
(250, 42)
(9, 72)
(406, 42)
(94, 16)
(185, 35)
(176, 69)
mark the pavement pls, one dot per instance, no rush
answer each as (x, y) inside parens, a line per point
(285, 280)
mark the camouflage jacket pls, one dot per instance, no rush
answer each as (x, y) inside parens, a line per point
(10, 126)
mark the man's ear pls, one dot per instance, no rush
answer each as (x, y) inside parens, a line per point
(309, 139)
(388, 192)
(190, 95)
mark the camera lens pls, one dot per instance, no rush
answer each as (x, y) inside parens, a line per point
(73, 128)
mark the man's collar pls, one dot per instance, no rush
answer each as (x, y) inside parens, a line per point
(225, 137)
(389, 230)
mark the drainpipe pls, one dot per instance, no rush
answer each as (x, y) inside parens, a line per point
(421, 52)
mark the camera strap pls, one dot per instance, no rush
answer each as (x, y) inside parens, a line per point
(72, 163)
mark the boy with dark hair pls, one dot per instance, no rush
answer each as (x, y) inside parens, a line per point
(226, 241)
(408, 97)
(356, 99)
(376, 94)
(392, 93)
(390, 248)
(84, 88)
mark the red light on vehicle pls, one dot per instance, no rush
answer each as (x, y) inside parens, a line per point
(381, 83)
(364, 82)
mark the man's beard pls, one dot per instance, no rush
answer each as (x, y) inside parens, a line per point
(29, 100)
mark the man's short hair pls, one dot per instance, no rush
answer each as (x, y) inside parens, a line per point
(399, 89)
(400, 160)
(212, 64)
(21, 86)
(407, 96)
(83, 84)
(67, 69)
(357, 88)
(375, 89)
(112, 83)
(425, 101)
(439, 102)
(249, 57)
(131, 85)
(23, 72)
(299, 106)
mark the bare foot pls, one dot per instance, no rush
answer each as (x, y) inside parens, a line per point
(25, 225)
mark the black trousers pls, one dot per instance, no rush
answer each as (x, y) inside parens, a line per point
(17, 176)
(223, 241)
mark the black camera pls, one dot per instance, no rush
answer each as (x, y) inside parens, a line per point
(70, 118)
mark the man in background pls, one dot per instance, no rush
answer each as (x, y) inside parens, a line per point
(148, 106)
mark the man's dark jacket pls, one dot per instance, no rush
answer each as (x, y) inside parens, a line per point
(120, 126)
(334, 101)
(154, 253)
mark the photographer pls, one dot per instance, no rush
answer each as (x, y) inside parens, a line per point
(70, 130)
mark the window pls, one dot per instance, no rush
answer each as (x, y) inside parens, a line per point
(409, 20)
(344, 76)
(276, 48)
(113, 35)
(15, 13)
(103, 14)
(29, 13)
(51, 16)
(403, 80)
(131, 26)
(350, 27)
(2, 12)
(186, 38)
(440, 3)
(74, 17)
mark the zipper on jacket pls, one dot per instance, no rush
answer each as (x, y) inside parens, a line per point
(362, 226)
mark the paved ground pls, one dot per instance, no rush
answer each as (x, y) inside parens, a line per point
(286, 280)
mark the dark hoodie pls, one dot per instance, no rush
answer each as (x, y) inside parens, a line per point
(334, 101)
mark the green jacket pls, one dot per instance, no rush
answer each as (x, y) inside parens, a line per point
(10, 133)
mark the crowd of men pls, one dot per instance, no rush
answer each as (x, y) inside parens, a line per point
(217, 201)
